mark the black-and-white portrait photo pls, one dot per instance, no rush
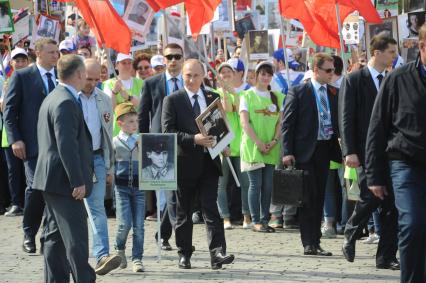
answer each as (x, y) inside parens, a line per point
(215, 125)
(258, 44)
(273, 15)
(47, 27)
(190, 47)
(414, 21)
(6, 23)
(243, 25)
(175, 29)
(158, 162)
(139, 12)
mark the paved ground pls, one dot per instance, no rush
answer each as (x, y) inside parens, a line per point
(259, 257)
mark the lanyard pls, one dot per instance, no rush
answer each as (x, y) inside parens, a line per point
(319, 103)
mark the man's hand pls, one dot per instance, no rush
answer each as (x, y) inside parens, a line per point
(379, 191)
(109, 179)
(18, 149)
(206, 141)
(79, 192)
(289, 160)
(352, 161)
(226, 152)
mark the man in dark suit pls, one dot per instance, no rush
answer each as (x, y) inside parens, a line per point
(310, 132)
(27, 89)
(356, 100)
(65, 176)
(197, 172)
(151, 104)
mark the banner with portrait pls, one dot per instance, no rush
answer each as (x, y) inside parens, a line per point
(6, 21)
(138, 17)
(258, 45)
(47, 28)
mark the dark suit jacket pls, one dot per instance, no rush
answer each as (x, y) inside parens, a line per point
(65, 146)
(300, 123)
(151, 104)
(356, 100)
(178, 117)
(26, 92)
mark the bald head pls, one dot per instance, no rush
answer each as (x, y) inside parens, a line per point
(93, 75)
(193, 74)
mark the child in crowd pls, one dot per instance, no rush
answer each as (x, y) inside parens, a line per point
(130, 201)
(83, 38)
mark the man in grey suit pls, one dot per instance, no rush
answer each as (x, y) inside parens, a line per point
(65, 176)
(97, 111)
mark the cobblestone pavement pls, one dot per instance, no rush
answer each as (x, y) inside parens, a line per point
(260, 257)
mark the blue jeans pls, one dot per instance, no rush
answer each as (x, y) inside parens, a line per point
(130, 203)
(222, 195)
(409, 185)
(259, 194)
(96, 204)
(330, 197)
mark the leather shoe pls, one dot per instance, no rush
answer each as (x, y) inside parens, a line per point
(348, 250)
(310, 250)
(322, 252)
(184, 262)
(219, 259)
(392, 265)
(29, 246)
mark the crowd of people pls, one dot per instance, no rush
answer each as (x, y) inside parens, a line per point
(70, 131)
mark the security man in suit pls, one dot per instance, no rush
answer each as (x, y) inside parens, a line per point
(28, 88)
(356, 100)
(197, 172)
(65, 176)
(310, 132)
(151, 105)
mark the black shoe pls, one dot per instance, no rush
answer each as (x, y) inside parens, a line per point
(322, 252)
(219, 259)
(184, 262)
(29, 246)
(14, 211)
(392, 265)
(197, 218)
(165, 245)
(310, 250)
(2, 210)
(290, 224)
(348, 250)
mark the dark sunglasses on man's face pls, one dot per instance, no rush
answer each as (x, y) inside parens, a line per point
(171, 56)
(328, 71)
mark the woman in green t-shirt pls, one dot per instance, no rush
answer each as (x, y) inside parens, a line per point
(260, 114)
(230, 100)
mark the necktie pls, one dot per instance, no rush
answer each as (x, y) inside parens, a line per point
(79, 102)
(50, 83)
(196, 107)
(175, 85)
(323, 101)
(380, 78)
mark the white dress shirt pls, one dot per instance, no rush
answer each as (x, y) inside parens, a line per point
(171, 84)
(201, 99)
(43, 72)
(91, 117)
(374, 73)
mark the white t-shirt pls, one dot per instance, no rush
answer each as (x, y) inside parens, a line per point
(126, 83)
(266, 94)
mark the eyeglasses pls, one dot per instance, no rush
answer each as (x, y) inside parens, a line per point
(328, 71)
(171, 56)
(143, 68)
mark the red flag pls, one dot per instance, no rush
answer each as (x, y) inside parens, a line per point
(365, 9)
(200, 12)
(243, 4)
(108, 27)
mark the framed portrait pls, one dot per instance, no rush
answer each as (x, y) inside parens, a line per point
(190, 48)
(273, 15)
(223, 17)
(158, 162)
(350, 30)
(410, 49)
(389, 26)
(22, 28)
(6, 21)
(414, 21)
(175, 29)
(213, 122)
(47, 28)
(258, 45)
(243, 25)
(138, 17)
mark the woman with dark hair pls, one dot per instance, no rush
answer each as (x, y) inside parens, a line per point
(413, 25)
(260, 115)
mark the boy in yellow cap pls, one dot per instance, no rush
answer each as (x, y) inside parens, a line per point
(130, 201)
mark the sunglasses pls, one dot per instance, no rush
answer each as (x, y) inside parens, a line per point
(328, 71)
(175, 56)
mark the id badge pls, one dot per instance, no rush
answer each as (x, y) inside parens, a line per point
(328, 129)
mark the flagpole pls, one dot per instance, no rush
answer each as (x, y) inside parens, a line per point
(284, 42)
(342, 46)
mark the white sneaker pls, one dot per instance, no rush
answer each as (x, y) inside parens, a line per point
(227, 226)
(122, 255)
(247, 225)
(328, 232)
(138, 266)
(372, 239)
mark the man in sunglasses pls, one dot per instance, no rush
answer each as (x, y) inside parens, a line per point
(356, 100)
(309, 132)
(151, 104)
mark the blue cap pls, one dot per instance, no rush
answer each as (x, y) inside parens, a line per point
(237, 64)
(279, 55)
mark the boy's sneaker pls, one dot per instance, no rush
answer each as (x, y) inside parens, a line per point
(122, 255)
(276, 223)
(372, 239)
(328, 232)
(107, 264)
(138, 266)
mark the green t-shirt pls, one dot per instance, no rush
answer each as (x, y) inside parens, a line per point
(135, 90)
(263, 116)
